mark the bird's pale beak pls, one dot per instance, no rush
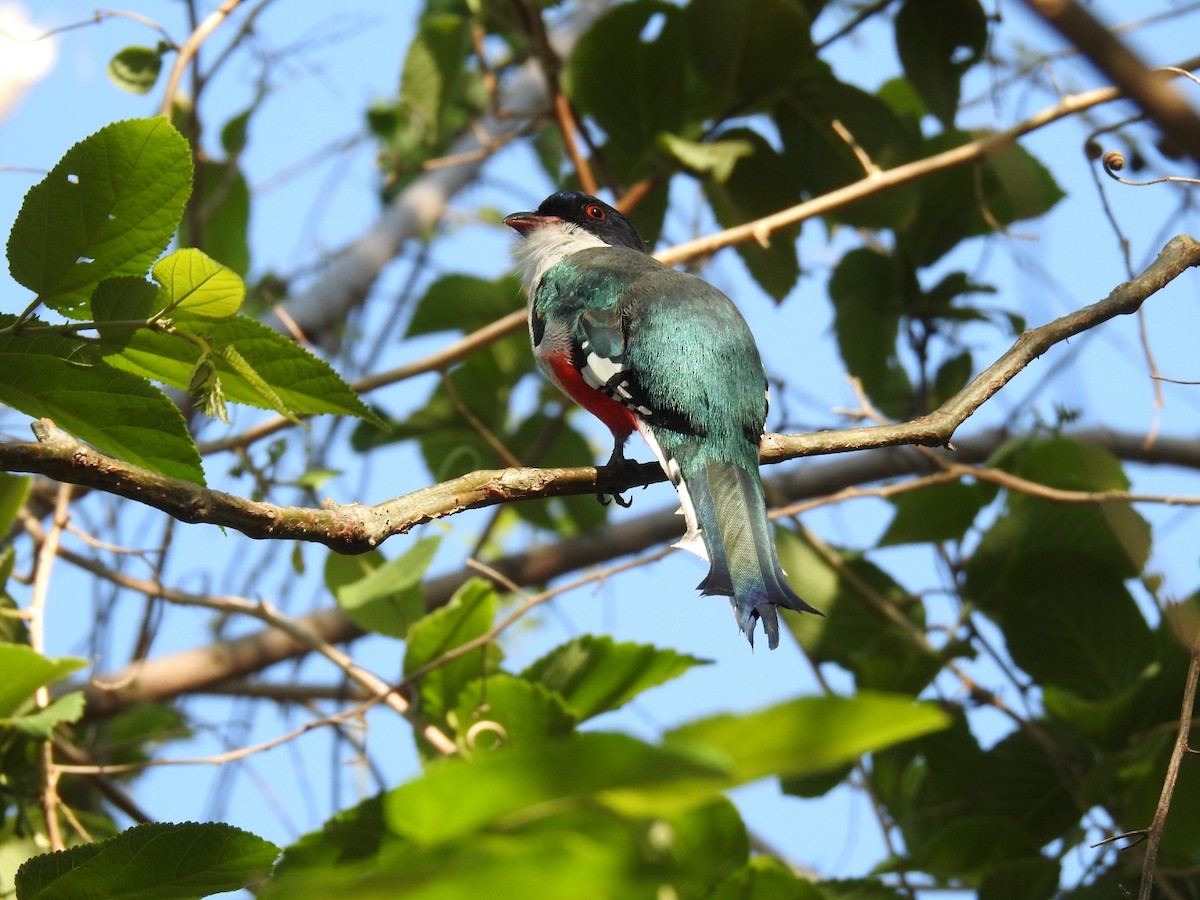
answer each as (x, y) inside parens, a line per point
(525, 222)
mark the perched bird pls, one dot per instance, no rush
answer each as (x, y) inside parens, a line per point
(645, 347)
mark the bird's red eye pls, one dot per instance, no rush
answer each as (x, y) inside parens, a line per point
(595, 211)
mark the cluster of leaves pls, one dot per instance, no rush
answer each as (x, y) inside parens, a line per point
(84, 240)
(556, 806)
(1050, 580)
(684, 91)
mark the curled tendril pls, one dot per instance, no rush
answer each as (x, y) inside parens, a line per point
(486, 726)
(1114, 161)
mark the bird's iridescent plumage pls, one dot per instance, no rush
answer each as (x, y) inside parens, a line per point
(644, 346)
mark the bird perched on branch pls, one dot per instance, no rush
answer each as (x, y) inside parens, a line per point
(645, 347)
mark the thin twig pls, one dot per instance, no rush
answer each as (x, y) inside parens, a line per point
(1154, 832)
(47, 554)
(265, 612)
(189, 49)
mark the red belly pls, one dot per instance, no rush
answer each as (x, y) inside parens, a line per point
(620, 421)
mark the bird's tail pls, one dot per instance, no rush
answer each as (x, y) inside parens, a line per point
(732, 514)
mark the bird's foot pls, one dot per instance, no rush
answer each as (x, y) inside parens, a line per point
(617, 462)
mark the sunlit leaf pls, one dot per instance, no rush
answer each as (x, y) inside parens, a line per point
(108, 208)
(594, 674)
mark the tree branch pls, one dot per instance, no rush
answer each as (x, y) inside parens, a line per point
(356, 528)
(200, 668)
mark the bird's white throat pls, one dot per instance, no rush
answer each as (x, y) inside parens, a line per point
(547, 246)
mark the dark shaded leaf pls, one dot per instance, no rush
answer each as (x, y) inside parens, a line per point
(464, 303)
(746, 52)
(821, 153)
(632, 87)
(869, 291)
(854, 632)
(938, 41)
(939, 512)
(1031, 878)
(765, 878)
(159, 861)
(759, 185)
(222, 206)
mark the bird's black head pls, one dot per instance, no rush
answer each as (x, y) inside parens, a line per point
(584, 211)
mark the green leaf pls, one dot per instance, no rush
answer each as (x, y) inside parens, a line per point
(41, 723)
(126, 300)
(716, 158)
(1010, 184)
(822, 121)
(350, 835)
(464, 303)
(952, 376)
(552, 857)
(860, 889)
(114, 411)
(135, 734)
(938, 41)
(940, 512)
(760, 184)
(566, 516)
(746, 52)
(1028, 878)
(707, 843)
(869, 291)
(537, 779)
(200, 285)
(765, 878)
(1018, 780)
(1090, 639)
(503, 710)
(855, 632)
(159, 861)
(451, 444)
(24, 670)
(1112, 535)
(302, 382)
(968, 847)
(432, 67)
(596, 674)
(809, 734)
(924, 783)
(220, 205)
(379, 595)
(640, 98)
(108, 208)
(467, 616)
(14, 491)
(135, 69)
